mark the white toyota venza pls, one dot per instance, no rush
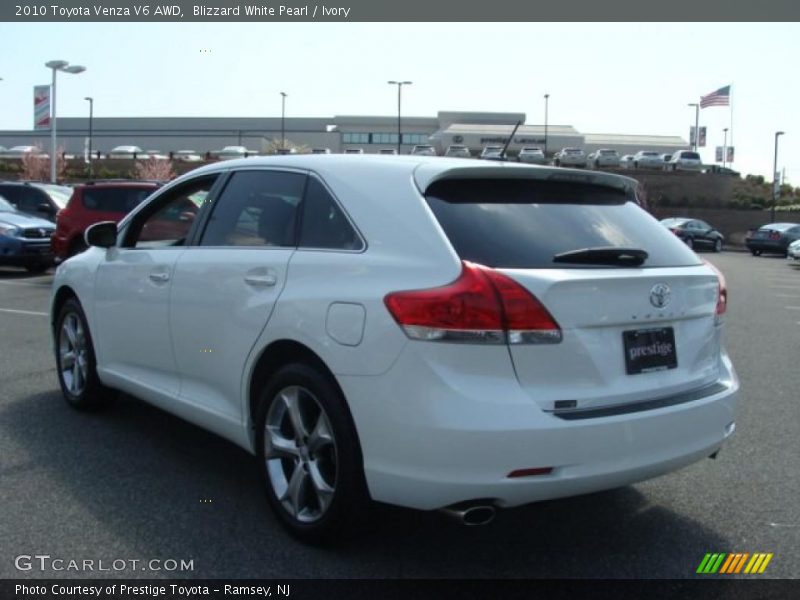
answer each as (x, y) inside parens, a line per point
(428, 332)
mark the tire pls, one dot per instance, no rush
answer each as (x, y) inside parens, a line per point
(755, 252)
(306, 441)
(557, 163)
(77, 375)
(718, 246)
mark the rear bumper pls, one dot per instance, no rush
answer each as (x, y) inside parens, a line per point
(437, 439)
(765, 245)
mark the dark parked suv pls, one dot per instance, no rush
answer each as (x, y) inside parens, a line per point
(91, 203)
(42, 200)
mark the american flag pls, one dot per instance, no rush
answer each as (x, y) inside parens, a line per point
(719, 98)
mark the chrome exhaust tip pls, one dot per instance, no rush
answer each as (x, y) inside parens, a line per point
(471, 515)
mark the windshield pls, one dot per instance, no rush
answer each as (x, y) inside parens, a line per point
(690, 155)
(60, 194)
(5, 206)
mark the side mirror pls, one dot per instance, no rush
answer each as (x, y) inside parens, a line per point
(102, 235)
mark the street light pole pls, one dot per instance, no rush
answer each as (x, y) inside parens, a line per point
(546, 99)
(283, 121)
(399, 85)
(696, 124)
(57, 65)
(725, 148)
(91, 117)
(775, 188)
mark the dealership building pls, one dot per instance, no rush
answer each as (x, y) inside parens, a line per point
(371, 133)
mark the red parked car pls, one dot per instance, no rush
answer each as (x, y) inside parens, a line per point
(91, 203)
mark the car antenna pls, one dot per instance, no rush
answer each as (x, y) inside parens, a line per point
(508, 142)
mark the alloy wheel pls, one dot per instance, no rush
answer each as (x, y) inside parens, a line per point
(73, 359)
(300, 454)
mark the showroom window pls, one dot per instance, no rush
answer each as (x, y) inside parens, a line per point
(355, 138)
(384, 138)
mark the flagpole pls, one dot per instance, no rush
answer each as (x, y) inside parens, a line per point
(730, 107)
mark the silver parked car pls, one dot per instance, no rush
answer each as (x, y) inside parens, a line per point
(532, 156)
(604, 157)
(684, 160)
(570, 157)
(423, 150)
(647, 159)
(458, 151)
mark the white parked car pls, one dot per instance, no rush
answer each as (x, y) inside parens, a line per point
(391, 151)
(531, 155)
(418, 332)
(647, 159)
(157, 154)
(570, 157)
(187, 156)
(793, 251)
(423, 150)
(320, 151)
(491, 151)
(458, 151)
(684, 160)
(626, 162)
(126, 152)
(354, 151)
(20, 151)
(233, 152)
(604, 157)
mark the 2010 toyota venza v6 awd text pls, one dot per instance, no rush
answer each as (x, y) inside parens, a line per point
(421, 331)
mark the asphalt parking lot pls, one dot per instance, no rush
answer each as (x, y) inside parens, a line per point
(135, 483)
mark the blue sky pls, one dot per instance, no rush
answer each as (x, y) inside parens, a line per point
(602, 77)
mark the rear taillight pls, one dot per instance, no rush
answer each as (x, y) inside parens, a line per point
(482, 305)
(722, 291)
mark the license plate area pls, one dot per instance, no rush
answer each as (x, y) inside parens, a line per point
(648, 350)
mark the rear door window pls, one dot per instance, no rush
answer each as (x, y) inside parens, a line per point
(324, 224)
(256, 208)
(524, 223)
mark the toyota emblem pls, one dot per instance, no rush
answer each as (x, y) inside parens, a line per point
(660, 295)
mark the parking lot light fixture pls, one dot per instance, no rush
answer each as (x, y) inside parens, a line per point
(546, 101)
(775, 185)
(90, 100)
(283, 121)
(399, 85)
(696, 124)
(55, 66)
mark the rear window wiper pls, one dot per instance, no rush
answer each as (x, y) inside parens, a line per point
(604, 255)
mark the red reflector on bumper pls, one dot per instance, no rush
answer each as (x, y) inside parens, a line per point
(531, 472)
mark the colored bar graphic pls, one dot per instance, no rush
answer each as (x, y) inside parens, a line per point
(740, 564)
(765, 563)
(728, 563)
(703, 563)
(732, 563)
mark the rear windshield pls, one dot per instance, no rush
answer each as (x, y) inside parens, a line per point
(692, 155)
(777, 226)
(118, 200)
(513, 223)
(608, 152)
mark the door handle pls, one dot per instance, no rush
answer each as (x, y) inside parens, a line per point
(159, 277)
(261, 280)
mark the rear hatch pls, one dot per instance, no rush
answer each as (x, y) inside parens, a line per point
(636, 307)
